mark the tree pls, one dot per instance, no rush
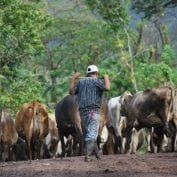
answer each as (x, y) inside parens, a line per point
(21, 28)
(115, 13)
(77, 39)
(152, 7)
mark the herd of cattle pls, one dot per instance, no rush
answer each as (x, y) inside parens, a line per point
(126, 123)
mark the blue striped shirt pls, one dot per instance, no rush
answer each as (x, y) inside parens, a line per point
(89, 93)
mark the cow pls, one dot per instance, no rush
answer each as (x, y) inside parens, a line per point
(149, 108)
(104, 139)
(52, 139)
(32, 124)
(69, 123)
(171, 138)
(137, 140)
(137, 137)
(172, 124)
(13, 147)
(68, 147)
(113, 125)
(103, 122)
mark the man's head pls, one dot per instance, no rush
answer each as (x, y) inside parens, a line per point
(92, 70)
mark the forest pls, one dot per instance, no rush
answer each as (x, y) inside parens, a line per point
(43, 42)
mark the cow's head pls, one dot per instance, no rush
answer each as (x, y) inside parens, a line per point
(124, 101)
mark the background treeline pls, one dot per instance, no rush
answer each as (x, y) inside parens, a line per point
(43, 42)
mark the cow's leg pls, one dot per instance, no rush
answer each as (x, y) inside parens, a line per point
(29, 151)
(118, 144)
(99, 141)
(32, 149)
(134, 141)
(6, 152)
(0, 151)
(81, 144)
(71, 145)
(173, 131)
(118, 140)
(160, 135)
(81, 141)
(108, 147)
(38, 148)
(128, 139)
(78, 143)
(62, 144)
(148, 139)
(173, 142)
(152, 140)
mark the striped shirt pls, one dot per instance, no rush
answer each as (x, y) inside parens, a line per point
(89, 93)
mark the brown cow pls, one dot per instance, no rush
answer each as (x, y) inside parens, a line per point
(9, 135)
(32, 125)
(13, 147)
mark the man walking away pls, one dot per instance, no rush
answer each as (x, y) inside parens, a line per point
(89, 92)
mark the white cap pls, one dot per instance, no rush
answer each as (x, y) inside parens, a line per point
(92, 68)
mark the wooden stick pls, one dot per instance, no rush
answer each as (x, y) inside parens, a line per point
(84, 77)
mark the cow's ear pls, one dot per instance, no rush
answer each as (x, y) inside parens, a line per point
(121, 100)
(130, 96)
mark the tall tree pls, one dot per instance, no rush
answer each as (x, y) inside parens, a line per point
(115, 13)
(152, 7)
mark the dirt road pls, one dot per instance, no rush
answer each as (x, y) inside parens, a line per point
(148, 165)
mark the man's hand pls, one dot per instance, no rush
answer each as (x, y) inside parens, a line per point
(76, 75)
(107, 84)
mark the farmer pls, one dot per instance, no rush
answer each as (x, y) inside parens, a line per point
(89, 91)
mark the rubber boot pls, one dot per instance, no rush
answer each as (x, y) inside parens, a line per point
(97, 152)
(90, 145)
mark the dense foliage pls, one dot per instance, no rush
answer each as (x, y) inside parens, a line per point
(21, 29)
(43, 44)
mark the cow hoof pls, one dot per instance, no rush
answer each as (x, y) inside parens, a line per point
(98, 156)
(88, 159)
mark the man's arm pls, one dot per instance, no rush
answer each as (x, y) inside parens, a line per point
(107, 84)
(73, 81)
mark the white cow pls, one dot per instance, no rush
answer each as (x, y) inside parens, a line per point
(113, 125)
(118, 126)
